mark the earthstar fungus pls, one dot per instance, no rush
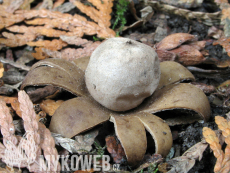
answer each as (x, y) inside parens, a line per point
(83, 112)
(121, 73)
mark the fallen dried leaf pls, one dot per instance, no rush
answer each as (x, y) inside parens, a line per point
(174, 40)
(81, 144)
(215, 32)
(115, 149)
(165, 55)
(199, 45)
(185, 162)
(188, 55)
(207, 89)
(146, 13)
(50, 106)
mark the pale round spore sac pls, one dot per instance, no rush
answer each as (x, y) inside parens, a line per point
(121, 73)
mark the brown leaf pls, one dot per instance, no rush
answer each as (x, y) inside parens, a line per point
(207, 89)
(188, 55)
(215, 32)
(50, 106)
(165, 55)
(81, 144)
(185, 162)
(115, 149)
(174, 40)
(199, 45)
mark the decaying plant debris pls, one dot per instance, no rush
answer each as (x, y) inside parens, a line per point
(45, 47)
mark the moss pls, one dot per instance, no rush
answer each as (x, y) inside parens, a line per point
(121, 8)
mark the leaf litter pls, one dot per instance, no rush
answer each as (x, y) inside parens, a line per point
(50, 34)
